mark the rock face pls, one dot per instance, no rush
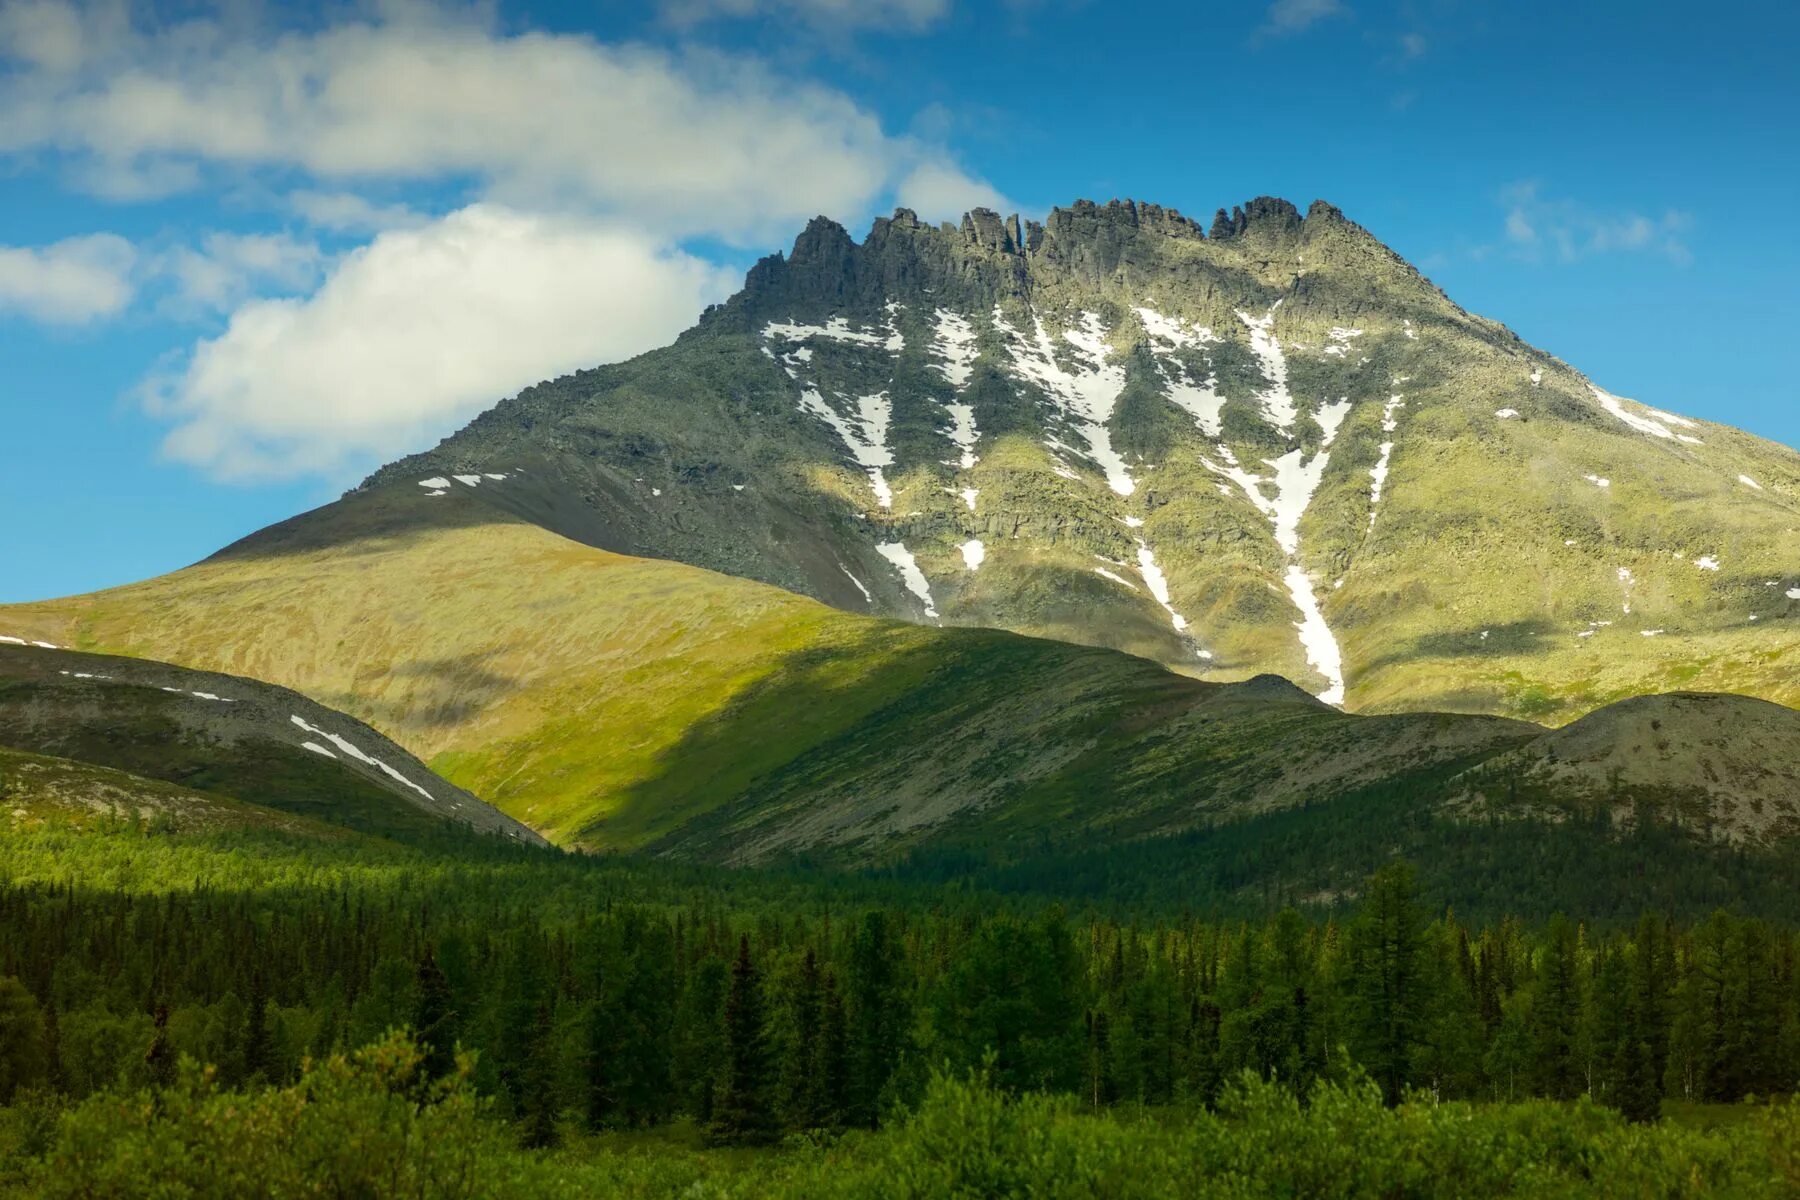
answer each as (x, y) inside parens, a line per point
(1273, 447)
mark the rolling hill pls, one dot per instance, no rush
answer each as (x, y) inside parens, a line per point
(130, 737)
(622, 703)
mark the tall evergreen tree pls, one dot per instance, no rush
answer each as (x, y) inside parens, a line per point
(1556, 1009)
(699, 1039)
(434, 1019)
(21, 1039)
(1386, 1005)
(742, 1114)
(877, 1011)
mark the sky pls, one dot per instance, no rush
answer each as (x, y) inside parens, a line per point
(250, 251)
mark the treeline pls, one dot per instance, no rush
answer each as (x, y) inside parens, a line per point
(756, 1023)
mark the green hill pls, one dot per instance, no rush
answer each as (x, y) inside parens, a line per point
(97, 730)
(624, 703)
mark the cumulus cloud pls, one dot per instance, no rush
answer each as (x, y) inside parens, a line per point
(1296, 16)
(71, 282)
(1538, 227)
(228, 268)
(418, 331)
(688, 144)
(839, 15)
(589, 163)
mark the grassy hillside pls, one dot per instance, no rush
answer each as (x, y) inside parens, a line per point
(1727, 765)
(231, 739)
(38, 792)
(614, 702)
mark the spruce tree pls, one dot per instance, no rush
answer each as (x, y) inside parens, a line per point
(1555, 1016)
(1386, 1005)
(834, 1061)
(877, 1013)
(434, 1019)
(742, 1114)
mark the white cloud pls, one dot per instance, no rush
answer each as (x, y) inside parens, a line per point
(1296, 16)
(70, 282)
(941, 192)
(347, 212)
(1537, 226)
(686, 144)
(228, 268)
(839, 15)
(418, 331)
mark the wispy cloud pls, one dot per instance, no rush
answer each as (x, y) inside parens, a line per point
(1539, 228)
(1287, 17)
(840, 16)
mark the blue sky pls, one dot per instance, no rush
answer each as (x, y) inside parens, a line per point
(248, 252)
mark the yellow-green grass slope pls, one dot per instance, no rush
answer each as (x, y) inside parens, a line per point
(614, 702)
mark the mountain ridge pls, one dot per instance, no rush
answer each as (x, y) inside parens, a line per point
(891, 426)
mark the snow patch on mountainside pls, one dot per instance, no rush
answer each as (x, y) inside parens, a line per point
(974, 553)
(837, 330)
(1198, 397)
(1283, 497)
(1652, 421)
(962, 433)
(864, 434)
(1277, 404)
(1085, 396)
(353, 751)
(1378, 474)
(955, 344)
(910, 575)
(1158, 585)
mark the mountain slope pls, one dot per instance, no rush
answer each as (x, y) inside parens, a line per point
(1271, 447)
(617, 703)
(234, 740)
(1725, 765)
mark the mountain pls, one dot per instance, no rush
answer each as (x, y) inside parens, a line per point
(619, 703)
(1268, 447)
(146, 738)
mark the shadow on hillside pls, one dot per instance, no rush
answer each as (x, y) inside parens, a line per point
(871, 714)
(373, 522)
(1516, 637)
(445, 692)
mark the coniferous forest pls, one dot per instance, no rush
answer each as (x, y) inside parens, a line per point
(517, 1023)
